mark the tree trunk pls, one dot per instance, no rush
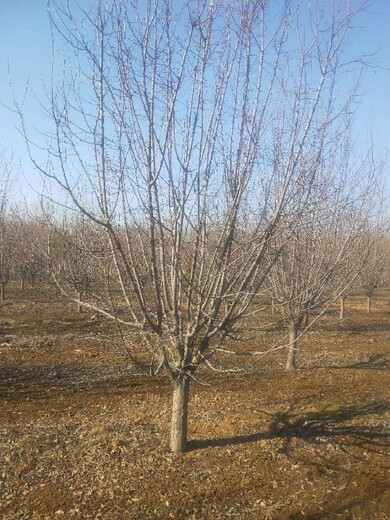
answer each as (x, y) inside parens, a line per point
(342, 305)
(292, 348)
(368, 304)
(79, 306)
(306, 319)
(180, 415)
(22, 283)
(2, 292)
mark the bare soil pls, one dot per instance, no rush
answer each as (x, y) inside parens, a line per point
(84, 435)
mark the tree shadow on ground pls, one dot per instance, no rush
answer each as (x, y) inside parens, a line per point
(376, 361)
(379, 361)
(340, 505)
(51, 380)
(327, 426)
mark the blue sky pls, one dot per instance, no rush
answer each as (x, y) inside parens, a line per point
(25, 50)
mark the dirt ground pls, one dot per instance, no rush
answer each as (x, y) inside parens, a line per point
(83, 435)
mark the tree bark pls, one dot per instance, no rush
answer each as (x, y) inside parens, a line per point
(369, 304)
(342, 306)
(306, 319)
(79, 306)
(292, 348)
(180, 415)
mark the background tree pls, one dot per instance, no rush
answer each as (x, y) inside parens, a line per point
(322, 251)
(29, 247)
(5, 249)
(179, 129)
(349, 272)
(75, 257)
(373, 270)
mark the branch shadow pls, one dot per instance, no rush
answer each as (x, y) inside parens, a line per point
(376, 361)
(379, 361)
(322, 427)
(51, 380)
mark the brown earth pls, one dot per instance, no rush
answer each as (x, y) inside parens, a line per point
(83, 435)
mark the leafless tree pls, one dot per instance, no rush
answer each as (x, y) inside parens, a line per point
(374, 224)
(28, 245)
(5, 252)
(386, 247)
(179, 128)
(373, 270)
(75, 258)
(324, 247)
(349, 272)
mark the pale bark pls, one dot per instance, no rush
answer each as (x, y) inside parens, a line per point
(180, 415)
(342, 307)
(292, 348)
(306, 318)
(369, 301)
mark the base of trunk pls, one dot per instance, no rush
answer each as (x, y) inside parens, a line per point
(292, 349)
(179, 421)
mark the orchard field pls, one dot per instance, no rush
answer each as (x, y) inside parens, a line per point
(84, 434)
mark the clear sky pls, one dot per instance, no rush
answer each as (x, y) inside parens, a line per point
(25, 56)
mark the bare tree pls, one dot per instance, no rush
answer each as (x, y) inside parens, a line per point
(323, 252)
(349, 272)
(5, 251)
(75, 257)
(369, 179)
(28, 236)
(179, 128)
(373, 270)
